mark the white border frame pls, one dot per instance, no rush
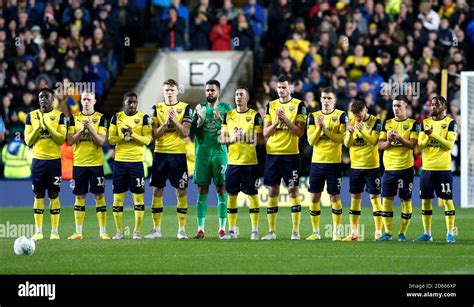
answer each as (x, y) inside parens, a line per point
(464, 141)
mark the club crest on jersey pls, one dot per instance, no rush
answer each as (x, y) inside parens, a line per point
(368, 127)
(444, 126)
(95, 120)
(179, 111)
(136, 120)
(334, 118)
(248, 118)
(405, 127)
(52, 117)
(292, 109)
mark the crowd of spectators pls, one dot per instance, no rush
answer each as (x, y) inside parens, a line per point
(366, 50)
(363, 49)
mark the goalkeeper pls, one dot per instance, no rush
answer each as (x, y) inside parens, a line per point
(211, 156)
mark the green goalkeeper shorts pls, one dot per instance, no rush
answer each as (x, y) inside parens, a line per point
(210, 167)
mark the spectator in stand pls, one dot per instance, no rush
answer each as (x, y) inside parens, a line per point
(6, 110)
(95, 72)
(172, 32)
(255, 14)
(287, 68)
(428, 16)
(101, 44)
(372, 78)
(182, 10)
(23, 22)
(220, 35)
(447, 9)
(69, 14)
(72, 71)
(278, 62)
(356, 63)
(37, 38)
(183, 13)
(279, 21)
(314, 82)
(229, 10)
(158, 7)
(399, 76)
(298, 47)
(50, 22)
(243, 34)
(206, 10)
(199, 31)
(311, 57)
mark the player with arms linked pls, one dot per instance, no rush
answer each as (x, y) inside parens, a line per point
(130, 132)
(326, 134)
(361, 137)
(398, 139)
(45, 131)
(284, 124)
(242, 131)
(436, 141)
(171, 124)
(87, 131)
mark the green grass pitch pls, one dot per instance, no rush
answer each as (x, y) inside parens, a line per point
(241, 256)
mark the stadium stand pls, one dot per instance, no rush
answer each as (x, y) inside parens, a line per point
(354, 46)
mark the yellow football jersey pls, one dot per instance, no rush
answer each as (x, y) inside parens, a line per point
(170, 141)
(363, 154)
(326, 150)
(86, 151)
(249, 124)
(398, 157)
(282, 141)
(434, 156)
(133, 150)
(45, 148)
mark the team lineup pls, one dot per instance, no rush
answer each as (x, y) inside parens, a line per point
(225, 153)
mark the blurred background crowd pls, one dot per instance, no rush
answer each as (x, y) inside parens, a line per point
(361, 48)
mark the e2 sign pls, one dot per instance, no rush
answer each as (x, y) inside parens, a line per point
(195, 73)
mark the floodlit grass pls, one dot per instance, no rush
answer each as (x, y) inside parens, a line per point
(241, 256)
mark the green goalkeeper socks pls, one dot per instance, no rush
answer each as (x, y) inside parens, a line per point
(201, 207)
(222, 210)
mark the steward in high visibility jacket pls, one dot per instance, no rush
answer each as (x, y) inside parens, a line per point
(17, 158)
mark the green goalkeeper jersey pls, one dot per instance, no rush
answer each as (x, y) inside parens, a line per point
(208, 134)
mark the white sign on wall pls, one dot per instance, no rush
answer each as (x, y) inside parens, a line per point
(195, 73)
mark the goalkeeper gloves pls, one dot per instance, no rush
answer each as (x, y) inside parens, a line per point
(201, 113)
(217, 115)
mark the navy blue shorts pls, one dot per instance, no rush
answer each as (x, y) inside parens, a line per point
(398, 181)
(169, 166)
(128, 176)
(369, 178)
(322, 172)
(88, 178)
(439, 181)
(241, 178)
(46, 175)
(278, 166)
